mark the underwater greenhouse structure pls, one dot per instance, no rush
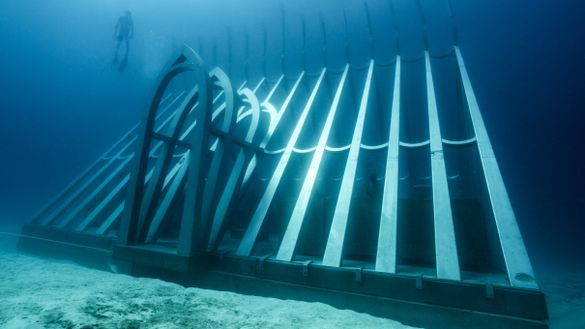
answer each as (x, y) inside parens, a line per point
(307, 173)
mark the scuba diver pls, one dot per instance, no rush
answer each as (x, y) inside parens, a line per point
(123, 33)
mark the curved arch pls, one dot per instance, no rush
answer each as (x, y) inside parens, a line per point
(220, 80)
(146, 189)
(236, 176)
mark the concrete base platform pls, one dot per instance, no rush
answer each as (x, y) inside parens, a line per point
(413, 300)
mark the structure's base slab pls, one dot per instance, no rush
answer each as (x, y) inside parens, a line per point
(413, 300)
(46, 246)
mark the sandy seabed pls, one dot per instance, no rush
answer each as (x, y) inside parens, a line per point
(43, 293)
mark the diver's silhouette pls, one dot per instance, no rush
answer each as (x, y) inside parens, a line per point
(123, 33)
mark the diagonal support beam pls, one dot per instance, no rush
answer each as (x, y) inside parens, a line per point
(235, 176)
(80, 184)
(122, 184)
(335, 242)
(93, 195)
(388, 234)
(112, 218)
(273, 123)
(249, 239)
(445, 245)
(291, 235)
(115, 192)
(518, 265)
(227, 125)
(175, 178)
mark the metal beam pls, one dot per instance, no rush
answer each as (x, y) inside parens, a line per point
(227, 125)
(105, 201)
(291, 235)
(111, 219)
(275, 122)
(118, 210)
(445, 245)
(78, 192)
(191, 229)
(132, 223)
(235, 176)
(518, 265)
(334, 248)
(86, 201)
(58, 200)
(175, 178)
(249, 239)
(388, 233)
(154, 188)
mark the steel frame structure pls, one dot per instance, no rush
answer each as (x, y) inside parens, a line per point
(217, 188)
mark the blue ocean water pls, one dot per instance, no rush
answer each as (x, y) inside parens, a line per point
(62, 102)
